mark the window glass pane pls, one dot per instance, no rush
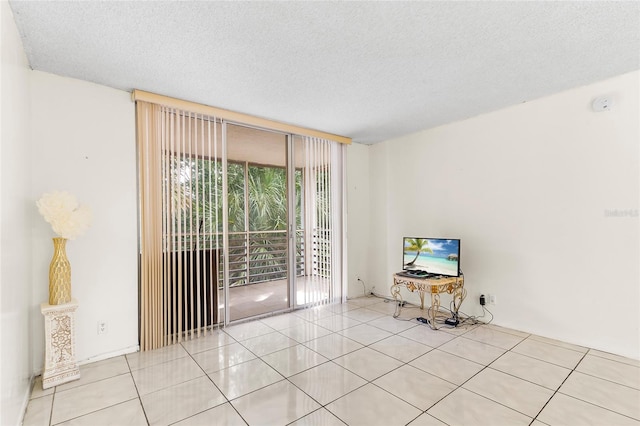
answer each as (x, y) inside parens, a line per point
(267, 198)
(235, 182)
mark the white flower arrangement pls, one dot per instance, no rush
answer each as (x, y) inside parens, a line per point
(67, 218)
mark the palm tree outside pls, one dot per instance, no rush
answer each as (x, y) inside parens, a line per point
(257, 212)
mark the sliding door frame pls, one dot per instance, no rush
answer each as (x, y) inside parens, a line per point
(290, 193)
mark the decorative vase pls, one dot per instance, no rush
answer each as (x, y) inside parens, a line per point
(59, 274)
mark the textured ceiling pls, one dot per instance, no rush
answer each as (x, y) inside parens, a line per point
(367, 70)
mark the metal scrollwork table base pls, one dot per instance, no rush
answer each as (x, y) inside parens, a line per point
(433, 286)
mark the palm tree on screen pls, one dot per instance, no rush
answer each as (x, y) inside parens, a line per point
(418, 245)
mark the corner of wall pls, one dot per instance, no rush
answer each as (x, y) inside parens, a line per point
(358, 193)
(15, 248)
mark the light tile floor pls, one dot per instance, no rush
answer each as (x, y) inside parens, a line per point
(350, 364)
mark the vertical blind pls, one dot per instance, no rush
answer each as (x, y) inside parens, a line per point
(182, 184)
(322, 223)
(179, 187)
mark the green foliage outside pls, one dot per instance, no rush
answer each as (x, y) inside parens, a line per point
(196, 193)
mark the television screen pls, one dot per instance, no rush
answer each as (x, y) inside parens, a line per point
(436, 256)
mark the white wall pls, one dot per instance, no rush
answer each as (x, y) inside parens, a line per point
(358, 201)
(527, 189)
(15, 181)
(84, 142)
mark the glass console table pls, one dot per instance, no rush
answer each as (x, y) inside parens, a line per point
(433, 286)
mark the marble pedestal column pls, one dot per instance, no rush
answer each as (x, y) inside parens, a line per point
(60, 354)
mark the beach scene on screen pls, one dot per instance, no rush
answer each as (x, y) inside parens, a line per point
(432, 255)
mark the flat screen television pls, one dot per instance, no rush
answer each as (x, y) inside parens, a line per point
(437, 256)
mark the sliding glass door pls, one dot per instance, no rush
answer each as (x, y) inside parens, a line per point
(235, 222)
(257, 267)
(285, 232)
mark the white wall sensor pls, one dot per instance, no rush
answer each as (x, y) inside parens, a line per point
(602, 103)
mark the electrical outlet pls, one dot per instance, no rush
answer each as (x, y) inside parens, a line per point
(492, 299)
(102, 327)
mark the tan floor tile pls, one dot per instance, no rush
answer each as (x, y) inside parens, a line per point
(38, 411)
(518, 394)
(223, 414)
(91, 397)
(363, 314)
(321, 417)
(614, 371)
(37, 391)
(463, 407)
(181, 401)
(493, 337)
(506, 330)
(124, 414)
(223, 357)
(425, 335)
(167, 374)
(472, 350)
(277, 404)
(451, 368)
(337, 322)
(426, 420)
(392, 325)
(146, 359)
(365, 334)
(293, 360)
(367, 363)
(401, 348)
(614, 357)
(550, 353)
(581, 413)
(211, 340)
(612, 396)
(333, 345)
(370, 405)
(327, 382)
(304, 332)
(268, 343)
(534, 370)
(95, 371)
(243, 378)
(248, 330)
(420, 389)
(559, 343)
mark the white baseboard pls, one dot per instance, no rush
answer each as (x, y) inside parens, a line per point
(25, 401)
(108, 355)
(100, 357)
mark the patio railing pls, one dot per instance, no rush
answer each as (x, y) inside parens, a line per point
(259, 256)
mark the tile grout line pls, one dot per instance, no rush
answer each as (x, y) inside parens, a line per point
(493, 400)
(559, 386)
(53, 400)
(477, 373)
(422, 412)
(135, 385)
(227, 400)
(372, 381)
(287, 378)
(329, 360)
(56, 391)
(460, 386)
(510, 350)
